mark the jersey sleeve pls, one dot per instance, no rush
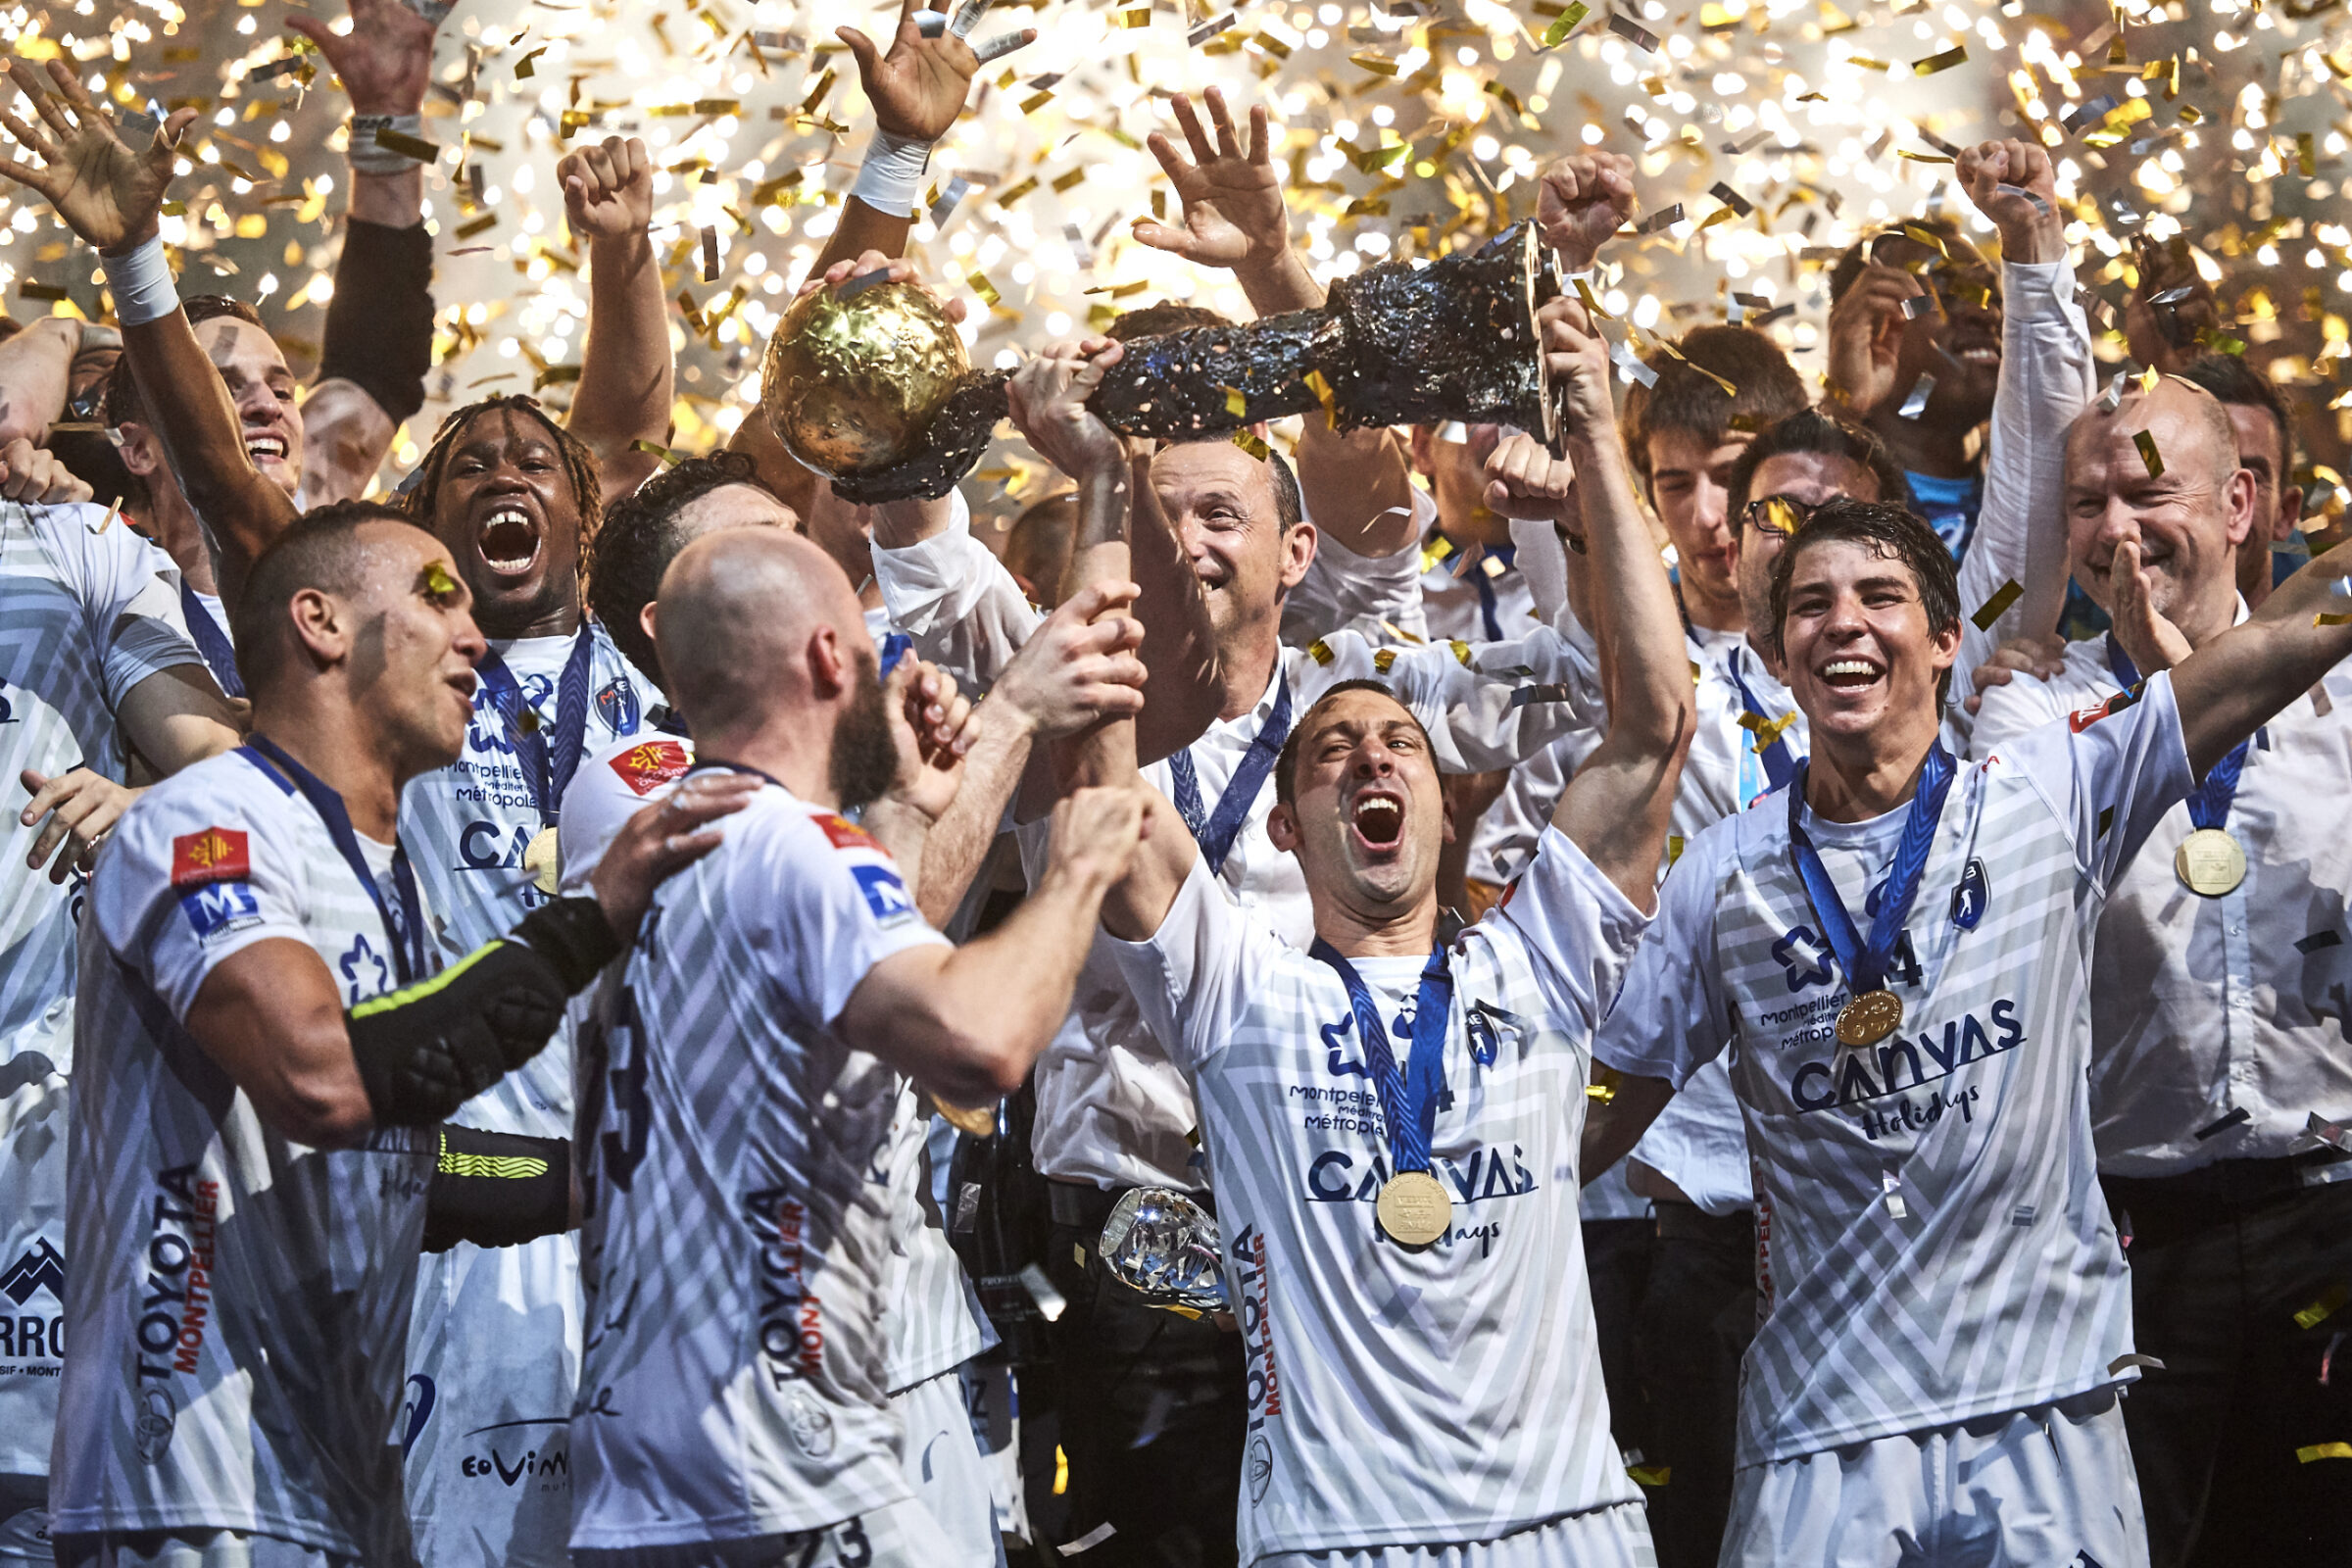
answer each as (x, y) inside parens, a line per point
(833, 906)
(1670, 1016)
(1379, 596)
(953, 598)
(2109, 773)
(1486, 704)
(608, 790)
(1189, 978)
(132, 608)
(192, 875)
(1580, 927)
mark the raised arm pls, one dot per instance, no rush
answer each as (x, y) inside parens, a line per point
(2232, 685)
(35, 367)
(917, 89)
(378, 340)
(1357, 486)
(625, 367)
(1616, 806)
(111, 194)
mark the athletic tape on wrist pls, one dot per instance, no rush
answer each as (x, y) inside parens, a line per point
(369, 157)
(141, 283)
(892, 174)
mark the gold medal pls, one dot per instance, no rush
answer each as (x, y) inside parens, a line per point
(1869, 1018)
(2209, 863)
(973, 1121)
(1413, 1209)
(539, 858)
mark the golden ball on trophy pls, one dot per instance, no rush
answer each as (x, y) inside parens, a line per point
(848, 384)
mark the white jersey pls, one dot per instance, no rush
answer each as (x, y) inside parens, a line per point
(736, 1233)
(935, 1323)
(616, 781)
(1112, 1108)
(239, 1302)
(1933, 1244)
(495, 1343)
(85, 616)
(1451, 1393)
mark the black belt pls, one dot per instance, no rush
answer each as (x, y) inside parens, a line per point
(1084, 1207)
(2223, 1184)
(1687, 1222)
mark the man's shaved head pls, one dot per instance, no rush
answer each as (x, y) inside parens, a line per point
(760, 634)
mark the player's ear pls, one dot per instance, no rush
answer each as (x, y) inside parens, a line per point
(644, 620)
(830, 673)
(1282, 829)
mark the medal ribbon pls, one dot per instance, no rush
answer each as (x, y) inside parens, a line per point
(1779, 766)
(406, 930)
(220, 657)
(547, 775)
(2209, 803)
(1865, 964)
(1215, 831)
(1409, 1100)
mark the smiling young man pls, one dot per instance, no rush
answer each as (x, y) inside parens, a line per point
(1899, 954)
(2218, 1005)
(1423, 1376)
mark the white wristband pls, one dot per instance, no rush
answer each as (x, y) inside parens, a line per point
(892, 174)
(141, 283)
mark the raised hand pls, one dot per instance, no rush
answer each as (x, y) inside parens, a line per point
(1583, 200)
(2013, 184)
(1096, 832)
(1577, 357)
(1232, 215)
(608, 189)
(384, 63)
(2153, 642)
(931, 721)
(34, 474)
(1523, 478)
(2042, 658)
(901, 270)
(1080, 665)
(1866, 338)
(106, 190)
(1046, 400)
(81, 806)
(918, 88)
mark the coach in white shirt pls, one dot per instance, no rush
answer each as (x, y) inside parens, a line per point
(2218, 1002)
(1948, 1313)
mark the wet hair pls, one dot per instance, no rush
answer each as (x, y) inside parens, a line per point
(1765, 388)
(1286, 761)
(640, 537)
(2237, 384)
(321, 550)
(580, 463)
(1812, 430)
(1889, 531)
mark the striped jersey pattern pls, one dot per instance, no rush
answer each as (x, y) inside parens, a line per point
(85, 616)
(735, 1168)
(1402, 1397)
(935, 1323)
(239, 1302)
(1933, 1244)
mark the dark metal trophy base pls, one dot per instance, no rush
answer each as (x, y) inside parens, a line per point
(1395, 344)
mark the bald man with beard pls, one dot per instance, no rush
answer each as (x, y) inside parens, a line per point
(737, 1097)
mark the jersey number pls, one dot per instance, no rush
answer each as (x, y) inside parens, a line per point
(623, 1147)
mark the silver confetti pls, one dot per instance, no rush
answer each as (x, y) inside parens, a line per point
(1917, 403)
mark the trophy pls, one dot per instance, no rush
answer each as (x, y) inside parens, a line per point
(1164, 1245)
(875, 392)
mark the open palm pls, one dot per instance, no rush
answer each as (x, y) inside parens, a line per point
(106, 192)
(1234, 216)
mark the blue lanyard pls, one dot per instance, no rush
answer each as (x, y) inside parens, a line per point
(2210, 802)
(1779, 766)
(406, 929)
(1865, 965)
(547, 775)
(1215, 832)
(1409, 1100)
(211, 642)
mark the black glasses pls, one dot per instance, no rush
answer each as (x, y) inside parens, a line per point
(1781, 516)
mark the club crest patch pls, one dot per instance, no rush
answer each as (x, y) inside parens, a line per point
(214, 854)
(652, 764)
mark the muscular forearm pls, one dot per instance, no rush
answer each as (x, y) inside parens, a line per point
(1103, 753)
(2229, 687)
(395, 200)
(862, 228)
(1359, 487)
(625, 367)
(1644, 668)
(35, 368)
(958, 841)
(1613, 1126)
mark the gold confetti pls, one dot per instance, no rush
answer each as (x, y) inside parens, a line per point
(437, 580)
(1957, 54)
(984, 289)
(2146, 442)
(1993, 608)
(2319, 1311)
(2323, 1451)
(1235, 403)
(1566, 22)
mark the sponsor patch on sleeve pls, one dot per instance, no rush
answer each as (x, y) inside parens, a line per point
(214, 854)
(2082, 719)
(216, 909)
(845, 834)
(885, 895)
(648, 766)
